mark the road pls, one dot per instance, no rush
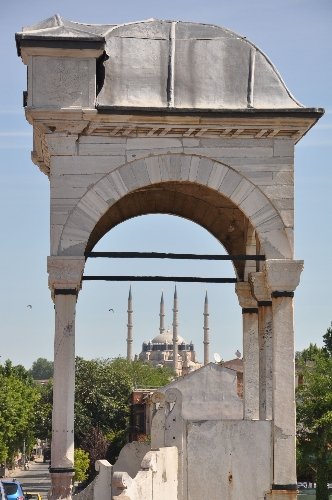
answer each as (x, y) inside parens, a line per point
(36, 479)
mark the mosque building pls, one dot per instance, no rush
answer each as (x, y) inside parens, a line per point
(168, 348)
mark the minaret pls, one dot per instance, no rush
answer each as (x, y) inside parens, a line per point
(206, 341)
(130, 327)
(175, 332)
(162, 314)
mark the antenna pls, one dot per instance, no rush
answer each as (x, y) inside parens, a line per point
(217, 357)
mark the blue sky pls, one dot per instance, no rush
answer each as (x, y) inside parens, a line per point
(295, 34)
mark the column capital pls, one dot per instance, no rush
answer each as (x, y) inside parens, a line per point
(65, 273)
(283, 275)
(259, 288)
(245, 296)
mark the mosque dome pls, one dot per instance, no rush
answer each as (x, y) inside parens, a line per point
(174, 65)
(166, 337)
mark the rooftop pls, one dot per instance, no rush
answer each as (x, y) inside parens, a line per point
(171, 65)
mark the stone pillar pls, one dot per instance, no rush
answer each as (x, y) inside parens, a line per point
(175, 333)
(206, 341)
(283, 276)
(264, 302)
(130, 328)
(65, 275)
(250, 351)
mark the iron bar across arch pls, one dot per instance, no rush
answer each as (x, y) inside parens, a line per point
(177, 279)
(181, 256)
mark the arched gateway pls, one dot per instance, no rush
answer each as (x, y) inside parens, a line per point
(179, 118)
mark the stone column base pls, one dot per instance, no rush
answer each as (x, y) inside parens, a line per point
(61, 485)
(281, 495)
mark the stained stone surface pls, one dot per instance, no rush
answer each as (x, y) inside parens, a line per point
(209, 393)
(235, 456)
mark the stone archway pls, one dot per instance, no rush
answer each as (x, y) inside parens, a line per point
(184, 131)
(215, 184)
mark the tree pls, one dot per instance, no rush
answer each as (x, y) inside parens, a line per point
(42, 369)
(308, 354)
(101, 397)
(103, 389)
(314, 418)
(17, 412)
(95, 444)
(18, 371)
(82, 462)
(327, 339)
(43, 412)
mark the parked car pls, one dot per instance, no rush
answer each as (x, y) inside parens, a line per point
(3, 495)
(301, 486)
(13, 489)
(47, 455)
(30, 495)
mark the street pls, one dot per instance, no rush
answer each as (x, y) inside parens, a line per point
(35, 479)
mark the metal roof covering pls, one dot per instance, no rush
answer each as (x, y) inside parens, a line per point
(171, 64)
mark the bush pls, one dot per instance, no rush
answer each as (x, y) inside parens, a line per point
(82, 462)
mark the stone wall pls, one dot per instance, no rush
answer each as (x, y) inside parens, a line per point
(229, 459)
(157, 479)
(89, 174)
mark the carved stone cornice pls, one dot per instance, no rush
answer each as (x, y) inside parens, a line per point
(133, 124)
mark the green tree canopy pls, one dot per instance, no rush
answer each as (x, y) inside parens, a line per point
(42, 369)
(18, 371)
(103, 389)
(314, 418)
(17, 414)
(43, 412)
(327, 339)
(308, 354)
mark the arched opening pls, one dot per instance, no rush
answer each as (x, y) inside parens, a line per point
(202, 205)
(103, 332)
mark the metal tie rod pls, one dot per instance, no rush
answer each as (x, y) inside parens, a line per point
(162, 255)
(177, 279)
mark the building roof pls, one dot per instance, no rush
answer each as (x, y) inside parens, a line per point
(234, 364)
(171, 65)
(167, 337)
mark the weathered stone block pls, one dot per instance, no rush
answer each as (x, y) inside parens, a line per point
(283, 147)
(85, 165)
(102, 149)
(61, 82)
